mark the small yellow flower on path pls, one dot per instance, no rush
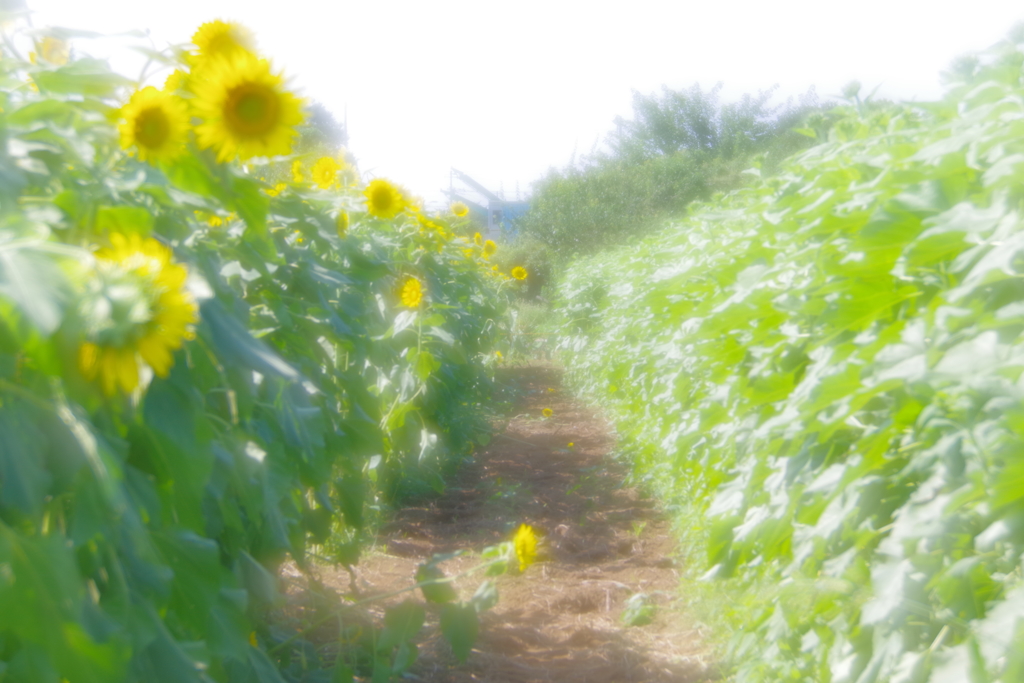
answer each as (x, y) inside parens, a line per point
(551, 390)
(412, 293)
(572, 444)
(547, 412)
(519, 273)
(525, 544)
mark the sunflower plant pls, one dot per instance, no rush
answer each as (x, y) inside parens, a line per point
(203, 373)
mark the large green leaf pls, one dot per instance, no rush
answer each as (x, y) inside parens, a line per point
(460, 627)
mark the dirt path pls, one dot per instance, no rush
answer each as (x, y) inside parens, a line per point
(560, 621)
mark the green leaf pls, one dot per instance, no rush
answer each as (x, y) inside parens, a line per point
(126, 220)
(90, 77)
(401, 623)
(342, 674)
(425, 363)
(251, 204)
(24, 480)
(460, 627)
(486, 596)
(34, 283)
(444, 592)
(639, 610)
(236, 345)
(57, 111)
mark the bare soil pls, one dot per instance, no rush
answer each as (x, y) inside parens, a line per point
(560, 621)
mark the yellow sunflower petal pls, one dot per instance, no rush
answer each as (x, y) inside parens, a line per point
(108, 371)
(412, 293)
(127, 369)
(222, 39)
(88, 358)
(525, 544)
(154, 351)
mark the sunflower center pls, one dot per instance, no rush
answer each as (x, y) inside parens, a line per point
(152, 128)
(382, 199)
(252, 110)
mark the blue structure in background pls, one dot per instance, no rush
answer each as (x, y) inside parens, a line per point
(497, 214)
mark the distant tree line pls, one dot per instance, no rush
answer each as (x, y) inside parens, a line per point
(679, 145)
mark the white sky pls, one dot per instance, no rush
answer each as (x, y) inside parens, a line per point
(504, 91)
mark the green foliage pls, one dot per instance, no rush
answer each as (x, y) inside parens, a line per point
(140, 529)
(533, 255)
(825, 368)
(639, 610)
(679, 147)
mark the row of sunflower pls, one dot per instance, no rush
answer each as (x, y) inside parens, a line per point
(202, 372)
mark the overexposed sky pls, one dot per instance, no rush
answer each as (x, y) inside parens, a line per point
(505, 90)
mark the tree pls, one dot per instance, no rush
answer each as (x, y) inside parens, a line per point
(680, 145)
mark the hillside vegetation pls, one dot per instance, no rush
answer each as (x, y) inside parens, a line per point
(822, 373)
(679, 146)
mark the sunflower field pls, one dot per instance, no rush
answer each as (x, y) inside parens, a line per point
(823, 375)
(203, 372)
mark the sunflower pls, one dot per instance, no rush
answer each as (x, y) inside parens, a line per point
(342, 223)
(245, 109)
(519, 273)
(412, 292)
(276, 190)
(222, 39)
(489, 248)
(525, 544)
(383, 199)
(459, 209)
(176, 80)
(547, 412)
(325, 173)
(297, 176)
(135, 310)
(155, 125)
(52, 50)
